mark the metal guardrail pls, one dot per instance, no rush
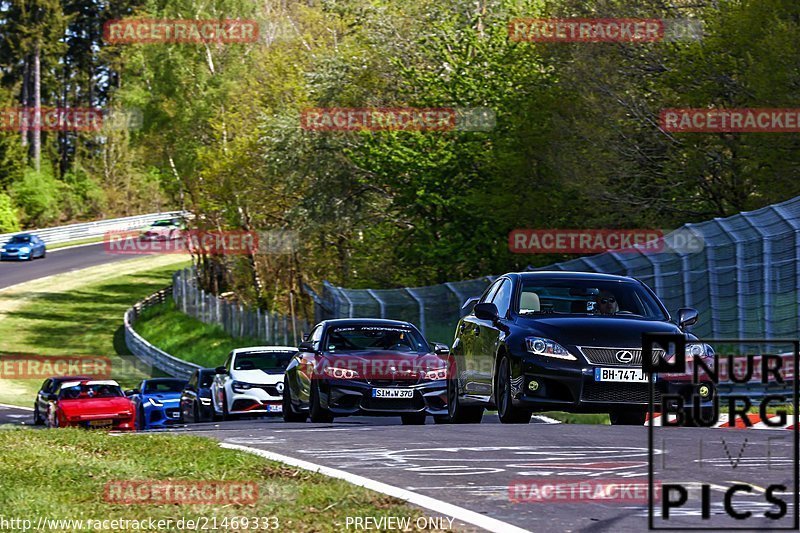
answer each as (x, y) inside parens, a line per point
(85, 230)
(147, 352)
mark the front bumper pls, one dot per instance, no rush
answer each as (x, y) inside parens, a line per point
(345, 397)
(15, 255)
(258, 399)
(545, 385)
(112, 423)
(168, 415)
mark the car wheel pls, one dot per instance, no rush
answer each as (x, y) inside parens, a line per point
(458, 413)
(226, 415)
(630, 417)
(289, 414)
(413, 419)
(196, 412)
(140, 421)
(37, 417)
(506, 410)
(318, 413)
(441, 419)
(44, 253)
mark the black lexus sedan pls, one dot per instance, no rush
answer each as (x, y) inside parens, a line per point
(196, 397)
(559, 341)
(367, 367)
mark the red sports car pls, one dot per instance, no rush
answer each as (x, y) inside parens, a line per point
(90, 404)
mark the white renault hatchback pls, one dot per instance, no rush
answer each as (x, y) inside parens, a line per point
(251, 381)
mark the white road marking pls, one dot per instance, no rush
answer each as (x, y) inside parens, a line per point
(459, 513)
(16, 407)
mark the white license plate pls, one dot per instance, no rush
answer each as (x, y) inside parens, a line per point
(175, 415)
(392, 393)
(625, 375)
(274, 408)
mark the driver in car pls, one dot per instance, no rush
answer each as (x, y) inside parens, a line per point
(606, 303)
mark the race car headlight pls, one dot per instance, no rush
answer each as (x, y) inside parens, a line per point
(340, 373)
(155, 403)
(439, 373)
(125, 413)
(239, 386)
(205, 401)
(696, 349)
(548, 348)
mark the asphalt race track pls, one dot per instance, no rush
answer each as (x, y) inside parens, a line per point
(480, 467)
(57, 261)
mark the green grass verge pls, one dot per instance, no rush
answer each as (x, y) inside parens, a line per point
(577, 418)
(87, 240)
(78, 313)
(61, 474)
(186, 337)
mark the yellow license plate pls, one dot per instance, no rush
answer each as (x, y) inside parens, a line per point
(101, 423)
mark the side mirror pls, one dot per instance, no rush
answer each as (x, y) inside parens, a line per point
(306, 346)
(441, 349)
(220, 370)
(486, 311)
(687, 317)
(470, 303)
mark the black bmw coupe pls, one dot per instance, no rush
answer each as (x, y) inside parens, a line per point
(367, 367)
(559, 341)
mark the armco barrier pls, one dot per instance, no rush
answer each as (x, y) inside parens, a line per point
(86, 230)
(147, 352)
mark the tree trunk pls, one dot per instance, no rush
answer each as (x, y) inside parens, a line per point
(37, 107)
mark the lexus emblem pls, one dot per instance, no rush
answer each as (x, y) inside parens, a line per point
(279, 387)
(624, 356)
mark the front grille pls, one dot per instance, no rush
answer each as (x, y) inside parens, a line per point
(392, 404)
(608, 356)
(618, 392)
(272, 390)
(399, 382)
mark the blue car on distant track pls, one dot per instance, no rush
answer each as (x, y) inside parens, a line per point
(157, 402)
(24, 246)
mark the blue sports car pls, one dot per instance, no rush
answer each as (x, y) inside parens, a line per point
(157, 402)
(23, 246)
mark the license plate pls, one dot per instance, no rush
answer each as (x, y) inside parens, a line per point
(100, 423)
(625, 375)
(175, 415)
(392, 393)
(274, 408)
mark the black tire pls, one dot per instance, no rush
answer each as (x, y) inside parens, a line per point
(196, 412)
(441, 419)
(628, 417)
(289, 414)
(413, 419)
(140, 418)
(461, 414)
(506, 410)
(44, 253)
(318, 413)
(225, 414)
(37, 417)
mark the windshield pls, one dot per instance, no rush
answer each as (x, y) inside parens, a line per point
(267, 361)
(360, 338)
(90, 391)
(19, 239)
(154, 387)
(206, 379)
(588, 297)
